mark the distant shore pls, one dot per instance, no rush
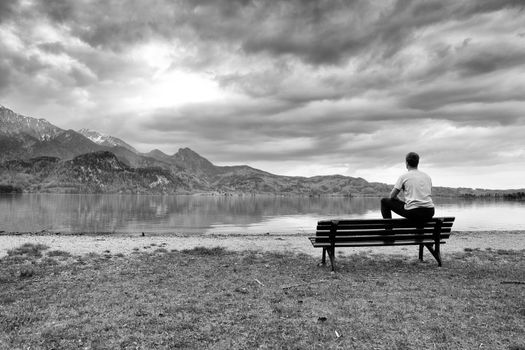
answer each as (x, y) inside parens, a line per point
(122, 243)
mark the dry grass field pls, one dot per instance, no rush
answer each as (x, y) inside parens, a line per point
(212, 298)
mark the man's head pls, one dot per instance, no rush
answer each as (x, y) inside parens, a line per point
(412, 160)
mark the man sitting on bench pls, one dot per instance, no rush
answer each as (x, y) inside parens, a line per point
(417, 190)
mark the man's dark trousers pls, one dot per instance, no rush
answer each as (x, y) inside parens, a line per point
(389, 205)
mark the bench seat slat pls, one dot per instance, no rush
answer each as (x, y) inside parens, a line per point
(380, 232)
(378, 227)
(377, 237)
(379, 241)
(381, 221)
(343, 226)
(376, 244)
(381, 229)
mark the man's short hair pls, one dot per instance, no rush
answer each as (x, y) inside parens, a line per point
(412, 159)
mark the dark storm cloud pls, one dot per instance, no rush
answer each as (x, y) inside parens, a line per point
(53, 47)
(437, 97)
(7, 8)
(490, 60)
(20, 62)
(22, 67)
(61, 11)
(217, 118)
(277, 83)
(313, 31)
(474, 59)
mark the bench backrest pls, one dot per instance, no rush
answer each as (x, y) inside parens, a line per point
(375, 227)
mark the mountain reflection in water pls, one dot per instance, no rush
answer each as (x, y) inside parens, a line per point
(197, 214)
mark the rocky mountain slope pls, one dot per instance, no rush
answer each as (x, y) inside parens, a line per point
(97, 172)
(15, 124)
(24, 137)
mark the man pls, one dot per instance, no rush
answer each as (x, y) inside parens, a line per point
(417, 191)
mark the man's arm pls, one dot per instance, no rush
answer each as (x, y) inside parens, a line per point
(394, 193)
(400, 184)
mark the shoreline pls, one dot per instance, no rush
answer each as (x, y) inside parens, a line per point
(128, 243)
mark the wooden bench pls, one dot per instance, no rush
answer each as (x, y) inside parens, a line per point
(381, 232)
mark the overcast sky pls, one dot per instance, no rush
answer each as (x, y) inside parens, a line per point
(304, 87)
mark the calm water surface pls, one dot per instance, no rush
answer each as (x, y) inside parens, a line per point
(215, 214)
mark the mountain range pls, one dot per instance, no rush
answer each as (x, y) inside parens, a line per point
(37, 156)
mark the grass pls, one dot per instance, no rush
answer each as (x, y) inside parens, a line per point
(217, 299)
(28, 251)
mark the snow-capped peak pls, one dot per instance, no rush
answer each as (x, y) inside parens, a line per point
(105, 140)
(93, 135)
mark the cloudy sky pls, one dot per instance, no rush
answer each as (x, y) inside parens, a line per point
(295, 87)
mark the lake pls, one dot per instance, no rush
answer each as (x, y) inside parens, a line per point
(198, 214)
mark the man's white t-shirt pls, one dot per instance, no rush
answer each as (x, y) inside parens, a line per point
(417, 189)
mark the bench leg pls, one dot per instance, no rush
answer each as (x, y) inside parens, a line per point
(331, 255)
(421, 252)
(435, 252)
(438, 254)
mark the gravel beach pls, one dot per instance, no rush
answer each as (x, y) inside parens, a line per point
(128, 243)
